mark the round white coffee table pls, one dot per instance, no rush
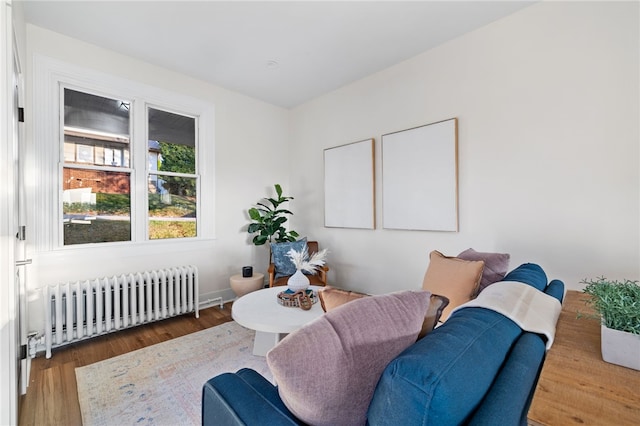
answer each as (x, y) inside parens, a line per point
(260, 311)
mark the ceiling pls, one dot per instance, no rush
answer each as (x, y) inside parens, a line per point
(284, 53)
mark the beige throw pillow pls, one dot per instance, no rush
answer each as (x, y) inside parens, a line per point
(327, 370)
(453, 278)
(331, 297)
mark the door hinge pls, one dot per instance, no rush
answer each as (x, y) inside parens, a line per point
(22, 233)
(21, 114)
(23, 352)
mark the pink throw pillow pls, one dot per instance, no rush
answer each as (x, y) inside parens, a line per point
(327, 371)
(496, 265)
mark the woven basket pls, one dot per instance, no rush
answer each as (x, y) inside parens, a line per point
(285, 298)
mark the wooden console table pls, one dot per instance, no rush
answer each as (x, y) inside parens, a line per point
(576, 386)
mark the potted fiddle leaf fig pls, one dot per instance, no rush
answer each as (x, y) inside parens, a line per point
(268, 219)
(617, 307)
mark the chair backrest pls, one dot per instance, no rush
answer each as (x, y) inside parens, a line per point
(312, 247)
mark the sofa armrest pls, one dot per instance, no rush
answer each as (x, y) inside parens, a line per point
(243, 398)
(555, 289)
(510, 395)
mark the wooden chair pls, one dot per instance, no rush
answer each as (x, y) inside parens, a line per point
(319, 278)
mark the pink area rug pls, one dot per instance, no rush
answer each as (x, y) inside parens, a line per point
(162, 384)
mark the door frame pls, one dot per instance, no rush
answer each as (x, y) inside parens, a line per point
(20, 244)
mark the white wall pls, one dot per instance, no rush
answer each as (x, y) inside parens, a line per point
(547, 101)
(250, 140)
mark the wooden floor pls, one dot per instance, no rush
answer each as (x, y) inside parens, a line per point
(52, 397)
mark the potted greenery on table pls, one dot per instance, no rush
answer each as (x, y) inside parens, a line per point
(617, 306)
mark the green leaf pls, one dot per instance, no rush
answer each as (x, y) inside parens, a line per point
(259, 240)
(266, 208)
(253, 227)
(274, 203)
(280, 220)
(254, 214)
(283, 211)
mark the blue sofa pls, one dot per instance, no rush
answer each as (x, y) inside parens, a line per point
(478, 368)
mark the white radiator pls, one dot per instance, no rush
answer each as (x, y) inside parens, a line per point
(83, 309)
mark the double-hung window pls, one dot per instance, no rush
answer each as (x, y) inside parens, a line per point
(130, 170)
(118, 162)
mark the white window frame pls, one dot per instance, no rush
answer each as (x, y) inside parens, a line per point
(50, 76)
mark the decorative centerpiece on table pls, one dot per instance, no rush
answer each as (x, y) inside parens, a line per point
(304, 263)
(298, 292)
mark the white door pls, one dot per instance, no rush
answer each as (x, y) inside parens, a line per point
(11, 248)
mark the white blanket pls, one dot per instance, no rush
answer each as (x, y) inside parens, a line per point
(525, 305)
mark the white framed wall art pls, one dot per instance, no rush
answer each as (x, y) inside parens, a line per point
(420, 178)
(349, 185)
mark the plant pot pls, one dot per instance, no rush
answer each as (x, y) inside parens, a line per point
(620, 347)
